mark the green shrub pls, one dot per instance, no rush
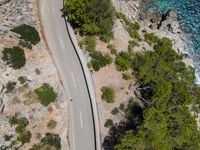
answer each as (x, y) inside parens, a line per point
(151, 38)
(22, 79)
(115, 111)
(13, 120)
(7, 137)
(24, 137)
(51, 124)
(123, 61)
(108, 94)
(112, 49)
(132, 44)
(10, 86)
(14, 57)
(92, 17)
(28, 33)
(90, 44)
(22, 121)
(126, 76)
(18, 121)
(163, 47)
(52, 139)
(109, 123)
(134, 34)
(46, 94)
(98, 60)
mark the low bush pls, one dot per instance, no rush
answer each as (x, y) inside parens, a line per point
(108, 94)
(121, 107)
(123, 61)
(22, 79)
(98, 60)
(7, 137)
(51, 124)
(115, 111)
(109, 123)
(24, 137)
(46, 94)
(132, 44)
(14, 57)
(90, 44)
(151, 38)
(126, 76)
(10, 86)
(52, 139)
(112, 49)
(28, 33)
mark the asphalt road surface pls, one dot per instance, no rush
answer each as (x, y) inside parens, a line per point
(68, 65)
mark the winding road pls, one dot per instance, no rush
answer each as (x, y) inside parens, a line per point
(81, 132)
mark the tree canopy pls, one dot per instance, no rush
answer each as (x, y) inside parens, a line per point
(91, 17)
(167, 88)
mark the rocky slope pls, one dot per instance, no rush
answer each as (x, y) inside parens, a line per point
(39, 69)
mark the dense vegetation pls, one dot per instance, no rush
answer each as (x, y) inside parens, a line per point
(93, 17)
(99, 60)
(123, 61)
(46, 94)
(166, 87)
(14, 57)
(24, 136)
(50, 141)
(28, 34)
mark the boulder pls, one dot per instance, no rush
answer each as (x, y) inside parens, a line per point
(169, 22)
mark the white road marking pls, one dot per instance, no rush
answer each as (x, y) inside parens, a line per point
(73, 79)
(52, 7)
(81, 120)
(42, 9)
(61, 43)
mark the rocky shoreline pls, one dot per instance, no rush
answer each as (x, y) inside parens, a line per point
(162, 24)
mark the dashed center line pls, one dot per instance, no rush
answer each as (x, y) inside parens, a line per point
(61, 43)
(73, 79)
(81, 120)
(52, 7)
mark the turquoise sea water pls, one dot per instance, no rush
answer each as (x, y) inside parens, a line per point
(188, 12)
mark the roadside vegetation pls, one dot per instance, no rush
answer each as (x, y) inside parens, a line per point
(89, 42)
(166, 87)
(51, 141)
(91, 17)
(46, 94)
(99, 60)
(14, 57)
(28, 34)
(108, 94)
